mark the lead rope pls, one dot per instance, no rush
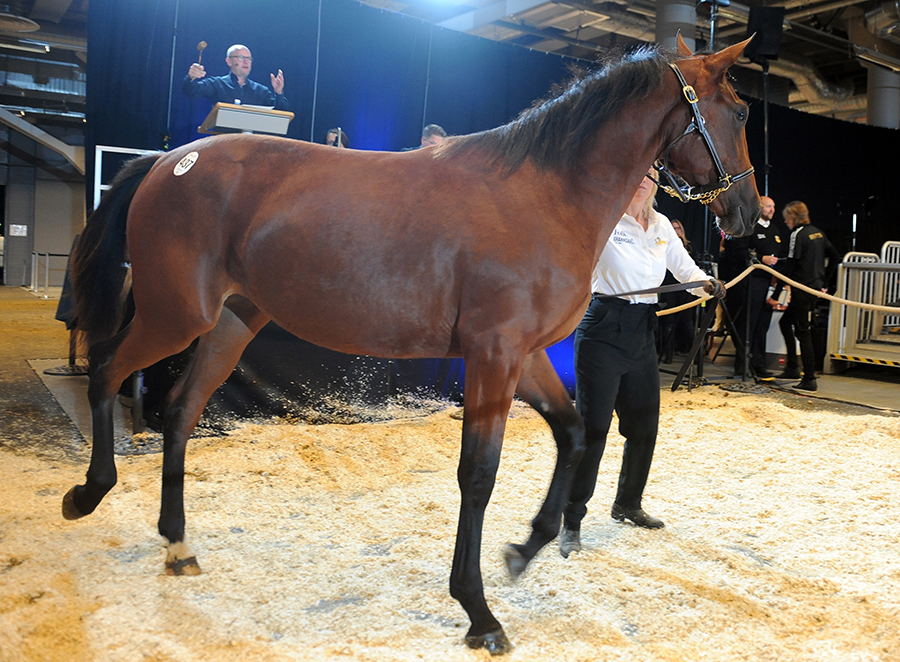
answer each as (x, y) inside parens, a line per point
(822, 295)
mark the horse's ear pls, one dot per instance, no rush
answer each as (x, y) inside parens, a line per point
(728, 56)
(683, 48)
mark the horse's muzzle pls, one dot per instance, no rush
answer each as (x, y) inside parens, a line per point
(739, 220)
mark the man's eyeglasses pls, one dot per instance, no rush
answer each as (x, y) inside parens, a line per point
(242, 58)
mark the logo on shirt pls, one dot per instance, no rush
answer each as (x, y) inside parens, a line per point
(661, 242)
(620, 237)
(186, 163)
(777, 239)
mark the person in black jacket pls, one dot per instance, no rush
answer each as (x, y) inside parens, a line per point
(748, 297)
(805, 263)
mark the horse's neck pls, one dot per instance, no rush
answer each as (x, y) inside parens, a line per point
(623, 150)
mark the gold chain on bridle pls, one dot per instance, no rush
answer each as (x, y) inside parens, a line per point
(678, 187)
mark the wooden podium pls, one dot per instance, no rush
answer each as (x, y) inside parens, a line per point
(234, 118)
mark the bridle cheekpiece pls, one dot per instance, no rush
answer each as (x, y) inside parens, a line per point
(677, 187)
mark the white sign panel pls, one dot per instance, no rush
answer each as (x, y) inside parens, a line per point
(18, 230)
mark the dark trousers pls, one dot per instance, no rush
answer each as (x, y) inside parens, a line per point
(755, 305)
(616, 370)
(797, 317)
(758, 355)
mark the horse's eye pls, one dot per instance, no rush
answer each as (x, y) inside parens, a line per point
(742, 115)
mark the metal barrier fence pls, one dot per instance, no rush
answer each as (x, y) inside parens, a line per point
(890, 254)
(857, 335)
(36, 271)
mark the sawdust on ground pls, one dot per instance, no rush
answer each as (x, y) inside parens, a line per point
(334, 542)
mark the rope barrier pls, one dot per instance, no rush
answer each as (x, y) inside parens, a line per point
(895, 310)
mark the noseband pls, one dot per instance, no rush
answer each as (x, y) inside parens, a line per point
(677, 186)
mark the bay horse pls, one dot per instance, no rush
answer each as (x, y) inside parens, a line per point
(480, 248)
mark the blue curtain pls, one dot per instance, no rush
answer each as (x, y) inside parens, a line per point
(371, 80)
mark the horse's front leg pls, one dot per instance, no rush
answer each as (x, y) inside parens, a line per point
(214, 359)
(490, 383)
(541, 388)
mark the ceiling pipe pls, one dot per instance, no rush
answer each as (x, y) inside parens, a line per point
(814, 88)
(884, 21)
(799, 69)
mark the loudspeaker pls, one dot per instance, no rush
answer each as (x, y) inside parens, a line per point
(766, 23)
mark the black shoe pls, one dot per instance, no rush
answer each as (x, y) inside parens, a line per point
(806, 385)
(763, 372)
(569, 541)
(636, 515)
(790, 373)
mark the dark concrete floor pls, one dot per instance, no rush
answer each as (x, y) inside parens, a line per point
(876, 387)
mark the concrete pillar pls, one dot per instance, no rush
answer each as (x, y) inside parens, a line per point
(672, 16)
(883, 98)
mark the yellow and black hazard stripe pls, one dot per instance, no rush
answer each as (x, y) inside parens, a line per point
(864, 359)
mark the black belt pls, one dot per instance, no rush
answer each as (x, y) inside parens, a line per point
(608, 300)
(662, 289)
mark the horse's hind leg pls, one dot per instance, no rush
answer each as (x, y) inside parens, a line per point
(541, 388)
(112, 361)
(215, 357)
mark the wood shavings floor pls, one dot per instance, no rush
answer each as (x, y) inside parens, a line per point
(782, 543)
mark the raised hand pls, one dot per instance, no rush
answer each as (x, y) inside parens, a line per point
(278, 82)
(196, 71)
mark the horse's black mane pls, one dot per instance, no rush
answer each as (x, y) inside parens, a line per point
(554, 130)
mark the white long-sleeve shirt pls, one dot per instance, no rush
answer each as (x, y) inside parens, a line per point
(636, 260)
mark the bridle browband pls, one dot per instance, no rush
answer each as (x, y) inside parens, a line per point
(677, 186)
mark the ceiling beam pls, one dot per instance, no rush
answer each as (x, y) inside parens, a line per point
(49, 10)
(71, 153)
(477, 18)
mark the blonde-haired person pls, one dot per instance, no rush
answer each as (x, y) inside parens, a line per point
(807, 251)
(615, 357)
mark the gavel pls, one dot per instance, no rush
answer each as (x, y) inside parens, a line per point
(200, 48)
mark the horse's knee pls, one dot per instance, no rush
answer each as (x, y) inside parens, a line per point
(476, 483)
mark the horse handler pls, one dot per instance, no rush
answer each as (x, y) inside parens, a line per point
(615, 357)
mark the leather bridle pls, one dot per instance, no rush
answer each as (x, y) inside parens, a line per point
(677, 187)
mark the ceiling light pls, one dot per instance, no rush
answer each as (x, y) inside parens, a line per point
(875, 57)
(26, 45)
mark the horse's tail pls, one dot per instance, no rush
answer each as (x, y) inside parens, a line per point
(98, 262)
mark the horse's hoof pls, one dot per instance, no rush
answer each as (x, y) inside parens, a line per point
(183, 567)
(515, 560)
(69, 511)
(495, 642)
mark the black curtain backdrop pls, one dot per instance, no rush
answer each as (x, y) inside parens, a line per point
(380, 76)
(837, 168)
